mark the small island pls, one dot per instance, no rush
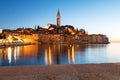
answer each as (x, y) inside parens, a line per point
(51, 34)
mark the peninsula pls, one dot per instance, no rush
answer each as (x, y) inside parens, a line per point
(51, 34)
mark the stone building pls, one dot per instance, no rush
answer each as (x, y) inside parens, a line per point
(51, 38)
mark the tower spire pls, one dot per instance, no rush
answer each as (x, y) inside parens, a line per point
(58, 18)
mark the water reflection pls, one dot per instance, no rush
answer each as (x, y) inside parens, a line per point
(71, 54)
(48, 55)
(73, 58)
(9, 55)
(54, 54)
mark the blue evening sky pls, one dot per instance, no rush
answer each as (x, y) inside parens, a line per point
(95, 16)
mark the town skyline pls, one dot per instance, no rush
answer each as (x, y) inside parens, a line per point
(99, 17)
(52, 34)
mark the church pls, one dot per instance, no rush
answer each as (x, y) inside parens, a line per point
(58, 19)
(55, 28)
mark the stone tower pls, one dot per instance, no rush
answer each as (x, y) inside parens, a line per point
(58, 18)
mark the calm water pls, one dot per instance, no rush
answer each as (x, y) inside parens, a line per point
(60, 54)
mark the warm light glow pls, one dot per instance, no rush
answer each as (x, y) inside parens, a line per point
(10, 39)
(69, 55)
(27, 40)
(50, 55)
(30, 50)
(47, 26)
(73, 57)
(19, 39)
(9, 55)
(15, 53)
(71, 31)
(46, 57)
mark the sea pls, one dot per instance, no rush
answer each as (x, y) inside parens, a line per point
(54, 54)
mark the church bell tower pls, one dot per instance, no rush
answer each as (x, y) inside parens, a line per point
(58, 18)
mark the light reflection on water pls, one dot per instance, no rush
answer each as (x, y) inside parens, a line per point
(59, 54)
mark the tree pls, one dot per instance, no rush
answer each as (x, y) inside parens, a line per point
(2, 36)
(38, 27)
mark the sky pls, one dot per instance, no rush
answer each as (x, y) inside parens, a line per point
(95, 16)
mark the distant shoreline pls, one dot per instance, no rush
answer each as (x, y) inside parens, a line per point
(23, 44)
(15, 44)
(3, 45)
(106, 71)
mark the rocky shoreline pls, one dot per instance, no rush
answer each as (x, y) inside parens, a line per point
(106, 71)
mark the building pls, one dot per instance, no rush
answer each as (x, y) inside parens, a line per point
(58, 18)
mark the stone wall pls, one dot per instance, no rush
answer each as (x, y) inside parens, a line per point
(51, 38)
(60, 38)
